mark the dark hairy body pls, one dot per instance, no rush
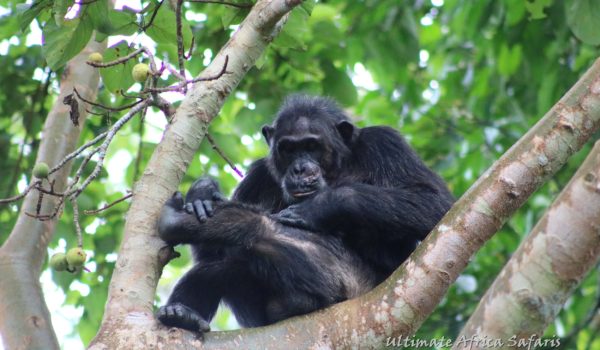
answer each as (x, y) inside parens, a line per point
(265, 271)
(330, 197)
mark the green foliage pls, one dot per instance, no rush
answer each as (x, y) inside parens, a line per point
(462, 82)
(118, 78)
(583, 17)
(536, 8)
(163, 30)
(62, 42)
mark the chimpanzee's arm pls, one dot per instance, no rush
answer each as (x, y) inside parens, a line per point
(388, 190)
(404, 212)
(232, 223)
(259, 188)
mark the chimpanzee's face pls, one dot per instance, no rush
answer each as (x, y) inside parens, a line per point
(305, 153)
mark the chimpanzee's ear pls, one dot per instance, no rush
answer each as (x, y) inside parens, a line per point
(267, 132)
(348, 131)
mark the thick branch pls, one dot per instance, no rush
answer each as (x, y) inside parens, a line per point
(533, 286)
(24, 317)
(399, 305)
(143, 254)
(419, 285)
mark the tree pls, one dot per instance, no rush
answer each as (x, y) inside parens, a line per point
(422, 57)
(543, 272)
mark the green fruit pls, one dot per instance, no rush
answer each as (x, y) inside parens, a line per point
(76, 257)
(58, 262)
(140, 72)
(41, 170)
(95, 57)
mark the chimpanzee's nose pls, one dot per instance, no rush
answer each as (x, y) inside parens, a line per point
(305, 169)
(298, 168)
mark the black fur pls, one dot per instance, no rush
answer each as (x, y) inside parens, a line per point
(263, 270)
(379, 196)
(331, 206)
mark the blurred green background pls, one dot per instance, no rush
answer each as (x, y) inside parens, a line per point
(462, 80)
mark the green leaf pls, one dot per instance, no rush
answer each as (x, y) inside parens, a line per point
(118, 77)
(430, 34)
(583, 17)
(123, 22)
(338, 85)
(27, 13)
(294, 31)
(98, 14)
(308, 6)
(536, 8)
(163, 29)
(233, 16)
(509, 59)
(60, 44)
(324, 12)
(59, 9)
(113, 22)
(515, 10)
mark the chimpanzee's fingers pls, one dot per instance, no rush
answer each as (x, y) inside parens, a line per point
(189, 208)
(200, 211)
(219, 197)
(208, 208)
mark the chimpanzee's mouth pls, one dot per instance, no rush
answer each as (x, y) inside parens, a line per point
(303, 194)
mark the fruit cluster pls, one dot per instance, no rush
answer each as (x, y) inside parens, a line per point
(71, 261)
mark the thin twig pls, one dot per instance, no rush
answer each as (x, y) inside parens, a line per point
(102, 149)
(21, 195)
(76, 221)
(214, 77)
(180, 48)
(153, 16)
(222, 154)
(178, 87)
(112, 109)
(84, 163)
(38, 207)
(175, 73)
(49, 192)
(189, 54)
(226, 3)
(118, 60)
(73, 191)
(78, 151)
(96, 211)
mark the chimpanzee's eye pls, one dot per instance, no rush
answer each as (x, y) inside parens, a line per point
(284, 147)
(312, 145)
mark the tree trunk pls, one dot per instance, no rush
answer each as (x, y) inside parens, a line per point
(129, 313)
(399, 305)
(542, 273)
(24, 318)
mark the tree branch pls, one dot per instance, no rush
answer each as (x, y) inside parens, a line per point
(143, 253)
(548, 265)
(401, 303)
(24, 317)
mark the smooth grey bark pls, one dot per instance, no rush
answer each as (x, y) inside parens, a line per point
(539, 277)
(129, 319)
(24, 318)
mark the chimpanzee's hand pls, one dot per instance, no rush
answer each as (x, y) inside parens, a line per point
(202, 198)
(296, 216)
(181, 316)
(171, 218)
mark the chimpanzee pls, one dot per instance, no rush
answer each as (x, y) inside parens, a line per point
(326, 183)
(366, 185)
(263, 270)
